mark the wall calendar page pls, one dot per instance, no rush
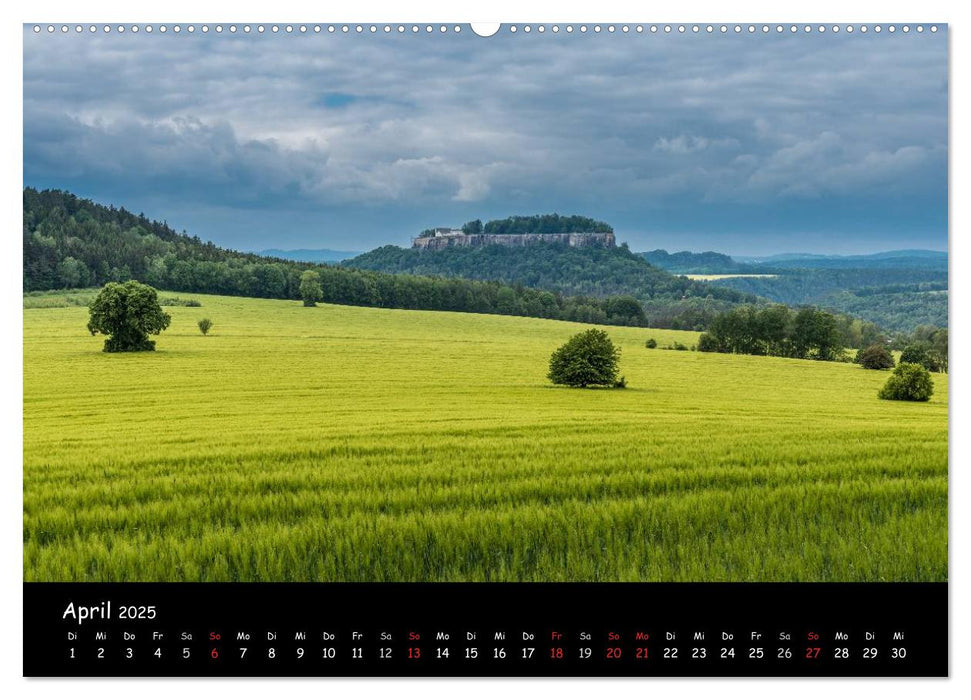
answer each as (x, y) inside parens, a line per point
(514, 350)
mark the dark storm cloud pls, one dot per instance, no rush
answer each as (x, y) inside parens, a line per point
(740, 143)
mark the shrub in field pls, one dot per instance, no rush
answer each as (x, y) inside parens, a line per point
(651, 343)
(920, 354)
(874, 357)
(204, 325)
(127, 313)
(909, 382)
(708, 343)
(587, 359)
(176, 301)
(310, 290)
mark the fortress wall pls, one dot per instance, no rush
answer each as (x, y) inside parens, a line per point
(575, 240)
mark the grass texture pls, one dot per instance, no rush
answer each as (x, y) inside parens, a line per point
(355, 444)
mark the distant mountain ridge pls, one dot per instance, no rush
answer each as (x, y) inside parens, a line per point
(903, 253)
(712, 263)
(916, 258)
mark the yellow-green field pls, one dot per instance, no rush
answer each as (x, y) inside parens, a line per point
(357, 444)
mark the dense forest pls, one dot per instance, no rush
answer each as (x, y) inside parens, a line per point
(707, 263)
(669, 301)
(71, 242)
(898, 311)
(545, 223)
(898, 299)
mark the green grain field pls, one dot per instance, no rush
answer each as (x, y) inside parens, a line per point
(357, 444)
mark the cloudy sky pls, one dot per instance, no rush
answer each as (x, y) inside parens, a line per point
(736, 143)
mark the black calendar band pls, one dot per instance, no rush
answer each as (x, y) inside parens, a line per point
(486, 629)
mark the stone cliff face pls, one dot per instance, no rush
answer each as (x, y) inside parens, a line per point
(574, 240)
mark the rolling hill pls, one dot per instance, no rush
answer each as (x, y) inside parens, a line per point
(668, 300)
(707, 263)
(898, 289)
(896, 298)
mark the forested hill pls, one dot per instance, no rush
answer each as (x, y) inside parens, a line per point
(899, 289)
(898, 299)
(70, 242)
(707, 263)
(668, 300)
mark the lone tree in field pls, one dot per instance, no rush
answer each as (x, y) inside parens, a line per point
(874, 357)
(587, 359)
(909, 382)
(127, 313)
(205, 325)
(310, 289)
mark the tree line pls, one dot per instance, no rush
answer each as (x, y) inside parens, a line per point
(812, 333)
(777, 330)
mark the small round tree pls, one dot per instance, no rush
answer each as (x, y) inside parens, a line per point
(205, 325)
(127, 313)
(310, 289)
(909, 382)
(587, 359)
(874, 357)
(650, 343)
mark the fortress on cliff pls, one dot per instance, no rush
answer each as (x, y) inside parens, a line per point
(446, 237)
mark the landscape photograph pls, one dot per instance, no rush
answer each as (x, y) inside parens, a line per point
(408, 304)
